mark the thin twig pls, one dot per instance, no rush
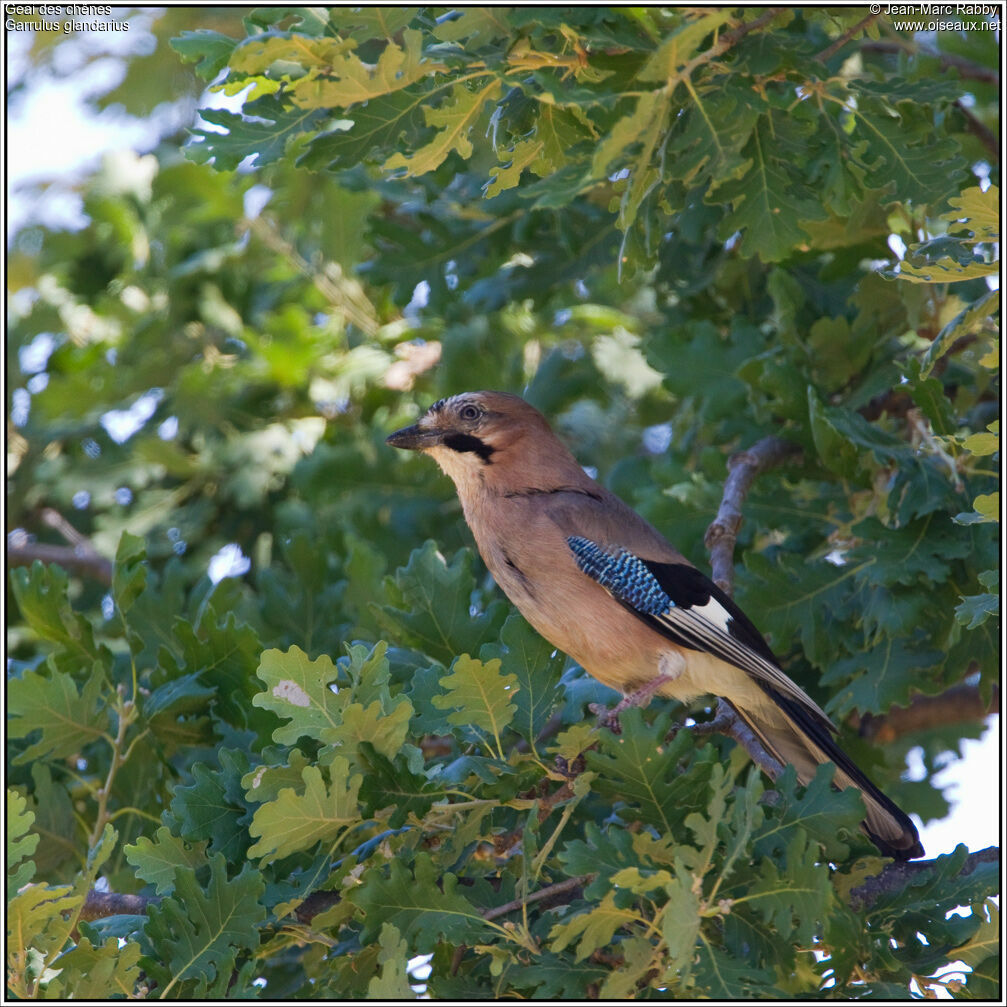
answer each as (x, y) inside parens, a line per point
(828, 53)
(743, 467)
(980, 131)
(965, 67)
(728, 721)
(560, 888)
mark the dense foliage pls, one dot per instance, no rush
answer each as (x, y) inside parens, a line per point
(669, 229)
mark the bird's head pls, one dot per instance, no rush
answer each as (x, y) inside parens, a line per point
(486, 438)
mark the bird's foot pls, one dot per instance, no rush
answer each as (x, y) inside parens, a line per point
(640, 697)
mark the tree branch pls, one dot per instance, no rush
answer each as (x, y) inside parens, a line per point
(965, 67)
(100, 904)
(958, 704)
(79, 556)
(981, 131)
(727, 721)
(743, 467)
(826, 54)
(560, 888)
(898, 874)
(88, 564)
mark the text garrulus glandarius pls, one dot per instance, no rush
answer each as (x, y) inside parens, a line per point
(600, 583)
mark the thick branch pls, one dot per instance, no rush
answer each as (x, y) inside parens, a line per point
(742, 468)
(78, 556)
(897, 875)
(100, 904)
(961, 703)
(72, 558)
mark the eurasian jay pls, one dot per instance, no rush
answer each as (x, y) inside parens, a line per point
(603, 585)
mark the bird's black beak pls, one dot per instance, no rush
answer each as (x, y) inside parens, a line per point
(414, 438)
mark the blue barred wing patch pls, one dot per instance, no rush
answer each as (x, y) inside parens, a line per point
(622, 574)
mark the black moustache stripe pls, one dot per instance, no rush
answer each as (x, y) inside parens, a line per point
(466, 442)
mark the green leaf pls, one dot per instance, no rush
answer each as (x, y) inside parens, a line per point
(196, 932)
(680, 922)
(96, 972)
(939, 889)
(266, 781)
(794, 899)
(393, 982)
(392, 783)
(453, 121)
(643, 127)
(593, 929)
(129, 576)
(944, 269)
(387, 731)
(975, 609)
(967, 322)
(985, 941)
(295, 821)
(345, 79)
(477, 26)
(976, 212)
(425, 906)
(430, 606)
(68, 720)
(264, 140)
(213, 807)
(603, 853)
(20, 843)
(724, 977)
(210, 48)
(554, 977)
(922, 168)
(177, 697)
(370, 132)
(41, 594)
(480, 695)
(707, 143)
(535, 665)
(680, 44)
(507, 174)
(638, 768)
(156, 860)
(929, 395)
(820, 812)
(300, 691)
(364, 23)
(226, 652)
(768, 205)
(984, 443)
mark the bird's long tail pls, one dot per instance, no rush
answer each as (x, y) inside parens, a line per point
(800, 739)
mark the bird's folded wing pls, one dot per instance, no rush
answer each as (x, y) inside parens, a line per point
(681, 603)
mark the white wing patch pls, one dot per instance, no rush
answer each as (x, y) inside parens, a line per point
(715, 613)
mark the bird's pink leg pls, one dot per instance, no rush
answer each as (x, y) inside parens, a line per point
(640, 697)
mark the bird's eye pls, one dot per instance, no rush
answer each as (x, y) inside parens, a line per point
(470, 412)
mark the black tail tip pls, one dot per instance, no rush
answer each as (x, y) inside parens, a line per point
(908, 847)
